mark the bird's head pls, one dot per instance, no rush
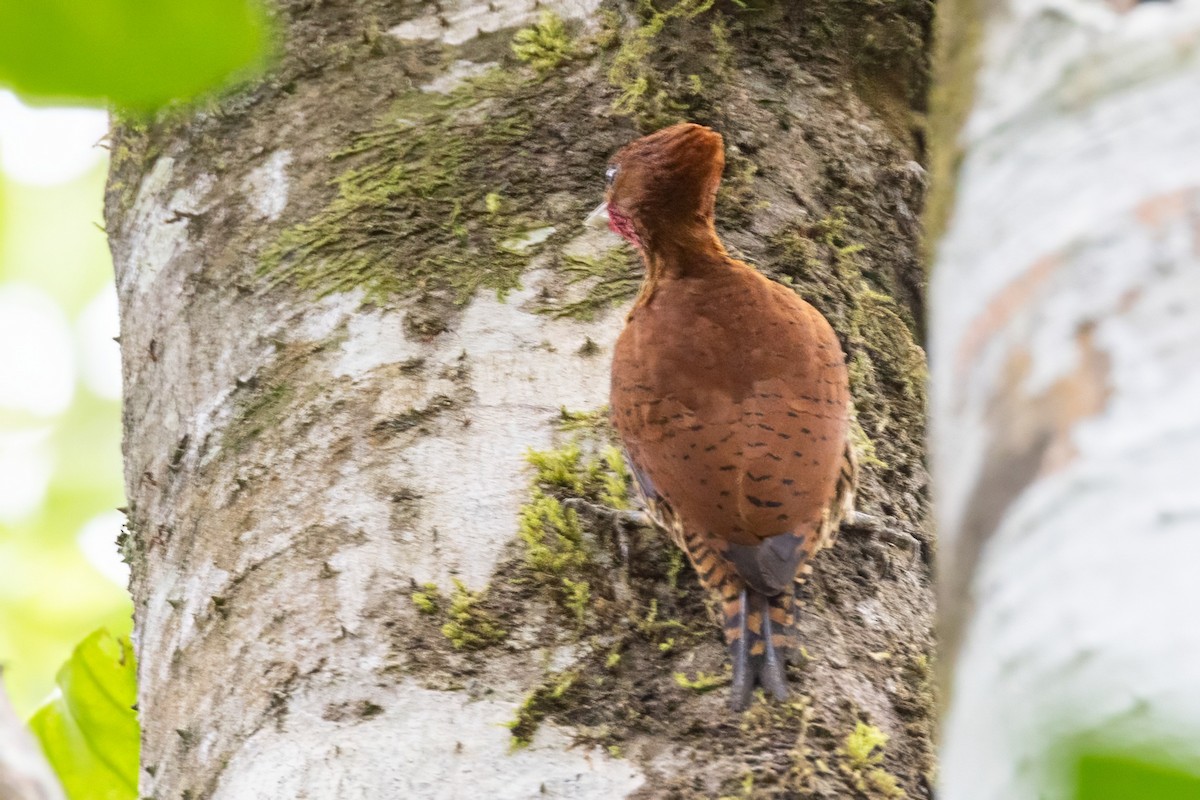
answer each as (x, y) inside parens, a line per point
(663, 182)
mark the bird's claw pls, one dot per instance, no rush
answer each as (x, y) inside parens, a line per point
(617, 517)
(620, 521)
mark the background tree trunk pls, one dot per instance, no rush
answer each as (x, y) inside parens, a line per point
(352, 298)
(1066, 400)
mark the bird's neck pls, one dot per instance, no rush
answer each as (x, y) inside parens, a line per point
(683, 251)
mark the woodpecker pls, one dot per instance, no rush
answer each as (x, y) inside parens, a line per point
(731, 398)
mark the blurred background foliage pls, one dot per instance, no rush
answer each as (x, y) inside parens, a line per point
(60, 458)
(1110, 774)
(132, 54)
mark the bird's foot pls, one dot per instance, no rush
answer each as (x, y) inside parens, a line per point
(617, 517)
(620, 522)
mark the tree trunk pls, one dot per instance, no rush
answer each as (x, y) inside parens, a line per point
(353, 298)
(1066, 401)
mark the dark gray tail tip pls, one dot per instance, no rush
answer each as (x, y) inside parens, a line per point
(774, 682)
(769, 675)
(740, 695)
(741, 689)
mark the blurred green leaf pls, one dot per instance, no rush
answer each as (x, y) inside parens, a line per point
(1122, 777)
(90, 731)
(136, 54)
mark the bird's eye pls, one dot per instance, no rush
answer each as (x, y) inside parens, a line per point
(610, 175)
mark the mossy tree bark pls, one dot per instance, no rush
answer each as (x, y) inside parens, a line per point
(357, 294)
(1067, 425)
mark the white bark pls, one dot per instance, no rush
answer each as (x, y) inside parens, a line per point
(459, 21)
(1066, 399)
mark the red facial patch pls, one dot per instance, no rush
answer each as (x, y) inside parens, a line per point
(622, 225)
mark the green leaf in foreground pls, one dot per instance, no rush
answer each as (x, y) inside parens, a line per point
(1102, 776)
(135, 54)
(89, 731)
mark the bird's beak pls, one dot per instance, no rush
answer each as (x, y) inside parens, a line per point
(598, 218)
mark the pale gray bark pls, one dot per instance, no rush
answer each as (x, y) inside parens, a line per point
(1066, 403)
(302, 453)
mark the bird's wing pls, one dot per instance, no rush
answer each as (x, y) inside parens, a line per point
(842, 506)
(656, 507)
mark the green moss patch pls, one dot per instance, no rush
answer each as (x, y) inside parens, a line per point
(414, 210)
(556, 551)
(862, 756)
(553, 537)
(550, 695)
(544, 45)
(469, 626)
(428, 599)
(703, 682)
(690, 36)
